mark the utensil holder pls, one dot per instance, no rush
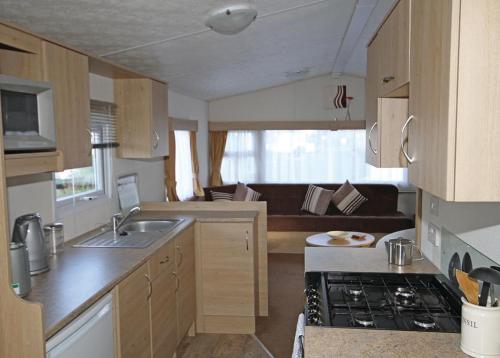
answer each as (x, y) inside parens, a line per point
(480, 327)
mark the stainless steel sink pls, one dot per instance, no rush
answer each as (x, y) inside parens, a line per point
(136, 240)
(135, 234)
(151, 225)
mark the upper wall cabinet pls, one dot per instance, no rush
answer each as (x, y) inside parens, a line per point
(394, 52)
(384, 116)
(142, 118)
(454, 100)
(68, 73)
(20, 54)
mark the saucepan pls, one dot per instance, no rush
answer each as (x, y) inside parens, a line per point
(400, 251)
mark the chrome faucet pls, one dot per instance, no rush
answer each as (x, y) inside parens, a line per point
(119, 220)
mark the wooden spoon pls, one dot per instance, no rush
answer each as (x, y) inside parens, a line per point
(469, 286)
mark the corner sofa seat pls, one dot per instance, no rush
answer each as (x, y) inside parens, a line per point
(284, 201)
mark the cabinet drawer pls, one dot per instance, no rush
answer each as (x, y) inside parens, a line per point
(163, 260)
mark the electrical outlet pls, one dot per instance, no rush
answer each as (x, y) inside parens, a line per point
(434, 235)
(434, 206)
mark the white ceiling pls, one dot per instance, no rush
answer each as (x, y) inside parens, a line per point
(167, 39)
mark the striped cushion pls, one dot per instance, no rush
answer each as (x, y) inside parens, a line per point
(219, 196)
(347, 199)
(317, 200)
(244, 193)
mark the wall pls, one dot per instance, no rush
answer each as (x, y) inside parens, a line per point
(37, 194)
(180, 106)
(31, 194)
(298, 101)
(478, 224)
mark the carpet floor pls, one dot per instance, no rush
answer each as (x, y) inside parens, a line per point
(286, 302)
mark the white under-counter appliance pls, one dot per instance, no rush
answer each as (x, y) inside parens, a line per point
(27, 115)
(89, 335)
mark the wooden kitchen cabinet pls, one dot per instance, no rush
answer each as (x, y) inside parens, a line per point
(142, 118)
(394, 64)
(454, 99)
(132, 314)
(68, 73)
(383, 144)
(20, 54)
(384, 116)
(186, 292)
(225, 277)
(163, 306)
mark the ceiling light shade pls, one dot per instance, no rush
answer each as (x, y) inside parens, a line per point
(231, 19)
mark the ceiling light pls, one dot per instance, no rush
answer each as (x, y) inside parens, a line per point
(231, 19)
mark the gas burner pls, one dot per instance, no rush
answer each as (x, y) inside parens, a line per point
(407, 302)
(424, 321)
(354, 292)
(405, 294)
(363, 319)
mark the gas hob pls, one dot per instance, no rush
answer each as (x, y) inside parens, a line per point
(410, 302)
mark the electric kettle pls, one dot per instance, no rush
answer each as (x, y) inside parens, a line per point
(28, 230)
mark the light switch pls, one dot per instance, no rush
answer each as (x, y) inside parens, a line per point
(434, 235)
(434, 206)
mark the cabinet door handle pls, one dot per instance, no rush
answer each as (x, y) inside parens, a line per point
(177, 281)
(181, 255)
(375, 151)
(165, 260)
(388, 79)
(246, 238)
(156, 139)
(408, 158)
(150, 287)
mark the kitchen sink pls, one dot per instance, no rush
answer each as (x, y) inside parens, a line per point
(136, 240)
(135, 234)
(151, 225)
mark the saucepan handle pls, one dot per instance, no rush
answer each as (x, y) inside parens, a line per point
(419, 252)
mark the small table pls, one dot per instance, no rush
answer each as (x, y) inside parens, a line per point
(324, 240)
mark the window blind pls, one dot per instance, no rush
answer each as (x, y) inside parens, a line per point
(103, 124)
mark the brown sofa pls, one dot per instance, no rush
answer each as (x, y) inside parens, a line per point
(378, 215)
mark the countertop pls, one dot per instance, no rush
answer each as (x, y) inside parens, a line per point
(359, 260)
(79, 277)
(323, 342)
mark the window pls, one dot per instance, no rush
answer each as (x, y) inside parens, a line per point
(82, 182)
(302, 156)
(183, 165)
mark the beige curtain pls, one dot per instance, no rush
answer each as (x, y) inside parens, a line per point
(197, 188)
(170, 182)
(217, 146)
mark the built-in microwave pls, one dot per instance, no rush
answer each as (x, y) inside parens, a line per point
(27, 115)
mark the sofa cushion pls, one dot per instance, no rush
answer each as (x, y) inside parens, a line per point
(244, 193)
(221, 196)
(220, 189)
(317, 200)
(312, 223)
(347, 199)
